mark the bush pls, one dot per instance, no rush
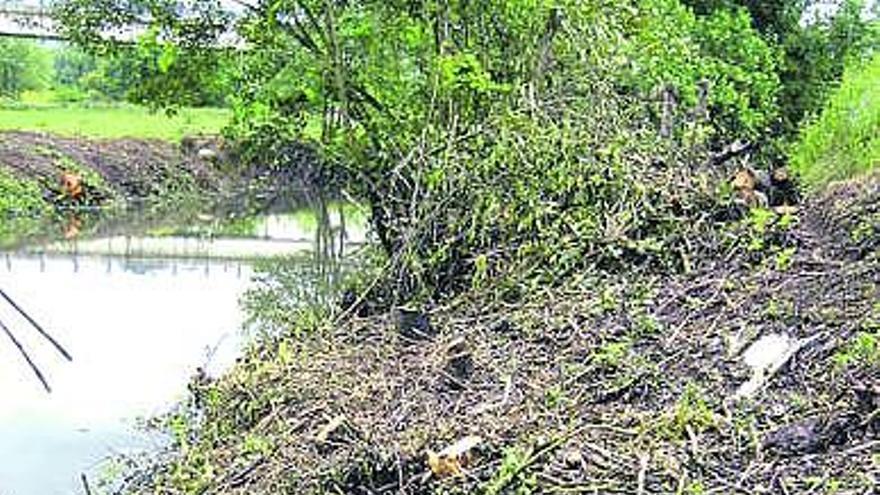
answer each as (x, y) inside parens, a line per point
(527, 179)
(20, 196)
(844, 141)
(673, 48)
(524, 154)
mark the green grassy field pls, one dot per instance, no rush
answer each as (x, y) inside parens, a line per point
(112, 121)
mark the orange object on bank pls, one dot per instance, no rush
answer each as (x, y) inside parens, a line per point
(72, 186)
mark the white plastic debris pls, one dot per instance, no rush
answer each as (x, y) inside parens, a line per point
(767, 350)
(207, 154)
(765, 357)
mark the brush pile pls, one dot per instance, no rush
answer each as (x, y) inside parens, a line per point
(605, 384)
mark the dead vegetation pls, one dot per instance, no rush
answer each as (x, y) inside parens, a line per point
(605, 384)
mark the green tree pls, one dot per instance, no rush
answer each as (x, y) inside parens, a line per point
(23, 66)
(483, 135)
(815, 47)
(71, 65)
(775, 19)
(816, 56)
(719, 52)
(178, 61)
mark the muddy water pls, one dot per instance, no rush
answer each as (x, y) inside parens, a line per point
(139, 314)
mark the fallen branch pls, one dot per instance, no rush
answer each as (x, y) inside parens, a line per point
(37, 326)
(26, 357)
(85, 483)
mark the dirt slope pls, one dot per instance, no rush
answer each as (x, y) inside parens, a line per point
(127, 168)
(609, 384)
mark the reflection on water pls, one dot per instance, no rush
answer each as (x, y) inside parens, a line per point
(269, 236)
(139, 314)
(137, 331)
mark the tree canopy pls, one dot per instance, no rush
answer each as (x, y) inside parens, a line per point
(472, 125)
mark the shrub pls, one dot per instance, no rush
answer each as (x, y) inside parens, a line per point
(20, 196)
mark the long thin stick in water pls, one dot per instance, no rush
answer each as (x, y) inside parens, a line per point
(26, 357)
(85, 482)
(36, 325)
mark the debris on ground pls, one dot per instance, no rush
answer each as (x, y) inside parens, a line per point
(604, 384)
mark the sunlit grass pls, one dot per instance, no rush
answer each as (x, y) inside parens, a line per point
(844, 141)
(112, 121)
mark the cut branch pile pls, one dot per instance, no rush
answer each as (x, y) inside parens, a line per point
(601, 385)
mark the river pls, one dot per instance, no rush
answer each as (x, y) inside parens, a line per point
(140, 312)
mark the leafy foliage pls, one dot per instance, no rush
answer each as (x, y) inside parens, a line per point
(488, 135)
(816, 56)
(23, 66)
(169, 69)
(815, 41)
(720, 53)
(20, 196)
(844, 140)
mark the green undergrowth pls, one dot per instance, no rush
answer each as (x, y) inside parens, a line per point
(863, 348)
(20, 196)
(844, 140)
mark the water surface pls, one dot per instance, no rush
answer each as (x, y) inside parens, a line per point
(140, 314)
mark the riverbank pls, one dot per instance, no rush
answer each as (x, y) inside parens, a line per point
(108, 169)
(639, 382)
(46, 178)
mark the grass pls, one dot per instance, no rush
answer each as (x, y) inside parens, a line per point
(112, 121)
(844, 141)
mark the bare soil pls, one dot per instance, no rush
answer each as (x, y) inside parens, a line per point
(130, 168)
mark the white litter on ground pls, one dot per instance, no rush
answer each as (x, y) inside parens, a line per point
(765, 357)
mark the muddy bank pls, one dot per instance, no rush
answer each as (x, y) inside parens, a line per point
(120, 169)
(54, 186)
(625, 384)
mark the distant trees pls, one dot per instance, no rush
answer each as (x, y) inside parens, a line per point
(72, 65)
(131, 72)
(23, 66)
